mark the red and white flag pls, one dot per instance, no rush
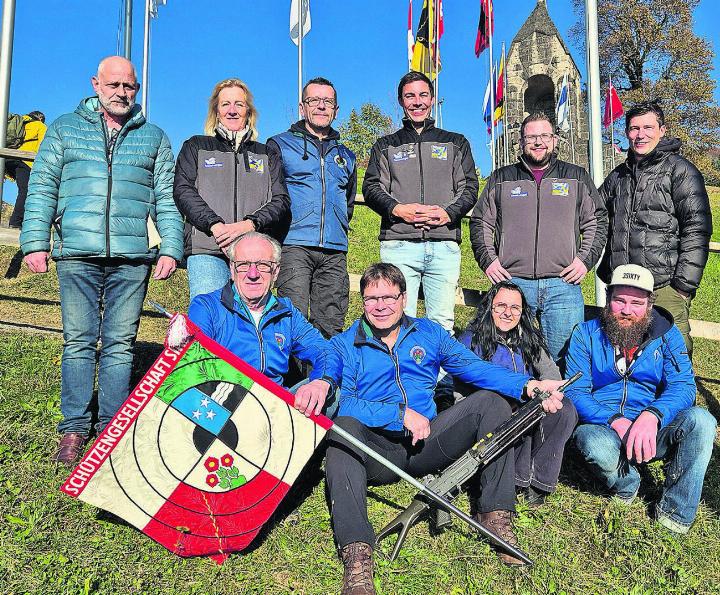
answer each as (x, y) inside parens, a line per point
(410, 36)
(201, 453)
(613, 106)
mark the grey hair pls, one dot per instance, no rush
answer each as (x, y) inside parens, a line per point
(276, 248)
(104, 60)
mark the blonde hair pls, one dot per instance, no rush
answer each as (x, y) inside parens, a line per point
(212, 116)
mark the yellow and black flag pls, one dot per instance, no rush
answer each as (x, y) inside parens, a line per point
(426, 46)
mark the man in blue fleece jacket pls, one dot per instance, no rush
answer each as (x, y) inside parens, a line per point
(635, 399)
(390, 369)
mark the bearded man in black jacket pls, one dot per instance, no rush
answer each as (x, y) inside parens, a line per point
(659, 214)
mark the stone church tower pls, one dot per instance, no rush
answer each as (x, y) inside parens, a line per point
(537, 61)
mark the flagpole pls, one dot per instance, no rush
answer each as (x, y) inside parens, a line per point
(506, 149)
(572, 130)
(6, 51)
(128, 28)
(436, 498)
(492, 91)
(593, 69)
(409, 32)
(146, 60)
(612, 123)
(301, 26)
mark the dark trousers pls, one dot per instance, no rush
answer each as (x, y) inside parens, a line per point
(539, 455)
(21, 172)
(316, 281)
(349, 471)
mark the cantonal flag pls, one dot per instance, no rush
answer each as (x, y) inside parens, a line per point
(200, 454)
(613, 106)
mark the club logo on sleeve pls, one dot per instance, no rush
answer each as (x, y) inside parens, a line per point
(280, 340)
(518, 192)
(210, 162)
(560, 188)
(418, 354)
(438, 152)
(256, 164)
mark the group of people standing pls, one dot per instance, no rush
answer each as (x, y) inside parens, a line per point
(257, 215)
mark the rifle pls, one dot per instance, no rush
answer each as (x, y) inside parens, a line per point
(450, 482)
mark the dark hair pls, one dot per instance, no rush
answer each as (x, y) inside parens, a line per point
(412, 77)
(640, 109)
(535, 117)
(37, 116)
(382, 271)
(525, 337)
(318, 80)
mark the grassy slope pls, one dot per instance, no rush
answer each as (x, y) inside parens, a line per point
(581, 543)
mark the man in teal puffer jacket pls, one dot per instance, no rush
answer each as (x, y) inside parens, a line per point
(102, 181)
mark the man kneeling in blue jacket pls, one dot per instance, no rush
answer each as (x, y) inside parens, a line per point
(635, 399)
(246, 318)
(390, 369)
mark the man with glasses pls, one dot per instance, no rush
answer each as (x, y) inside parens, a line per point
(541, 223)
(265, 331)
(390, 369)
(321, 180)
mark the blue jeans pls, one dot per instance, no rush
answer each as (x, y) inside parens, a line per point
(437, 266)
(206, 273)
(558, 305)
(686, 444)
(100, 299)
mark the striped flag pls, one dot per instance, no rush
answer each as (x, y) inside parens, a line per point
(486, 26)
(423, 59)
(295, 6)
(200, 454)
(562, 110)
(500, 89)
(487, 110)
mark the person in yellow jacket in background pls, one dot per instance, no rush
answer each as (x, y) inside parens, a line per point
(20, 170)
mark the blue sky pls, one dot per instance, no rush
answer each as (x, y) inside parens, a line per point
(359, 44)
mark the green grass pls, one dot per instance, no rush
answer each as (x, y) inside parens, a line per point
(714, 194)
(580, 541)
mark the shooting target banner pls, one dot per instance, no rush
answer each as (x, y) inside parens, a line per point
(200, 454)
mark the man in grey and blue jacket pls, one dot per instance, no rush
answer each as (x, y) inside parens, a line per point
(102, 180)
(320, 175)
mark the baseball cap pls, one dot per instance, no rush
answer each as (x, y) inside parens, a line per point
(633, 275)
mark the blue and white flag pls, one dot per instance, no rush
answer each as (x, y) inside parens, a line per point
(487, 110)
(154, 7)
(562, 110)
(295, 16)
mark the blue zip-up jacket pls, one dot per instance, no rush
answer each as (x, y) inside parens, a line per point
(660, 378)
(379, 384)
(321, 178)
(99, 204)
(283, 332)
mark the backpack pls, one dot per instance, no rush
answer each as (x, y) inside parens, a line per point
(15, 135)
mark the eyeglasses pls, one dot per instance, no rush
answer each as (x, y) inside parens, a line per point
(533, 138)
(315, 101)
(389, 300)
(263, 266)
(501, 308)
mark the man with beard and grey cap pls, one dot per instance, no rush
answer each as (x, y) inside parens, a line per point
(102, 180)
(541, 222)
(635, 399)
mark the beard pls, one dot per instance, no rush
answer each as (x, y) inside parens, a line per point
(116, 109)
(538, 163)
(625, 336)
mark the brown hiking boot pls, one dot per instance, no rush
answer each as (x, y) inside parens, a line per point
(70, 449)
(498, 521)
(358, 576)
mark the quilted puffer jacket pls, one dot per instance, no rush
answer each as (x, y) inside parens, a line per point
(659, 218)
(98, 203)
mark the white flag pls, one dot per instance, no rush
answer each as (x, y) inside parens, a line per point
(295, 18)
(562, 111)
(154, 7)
